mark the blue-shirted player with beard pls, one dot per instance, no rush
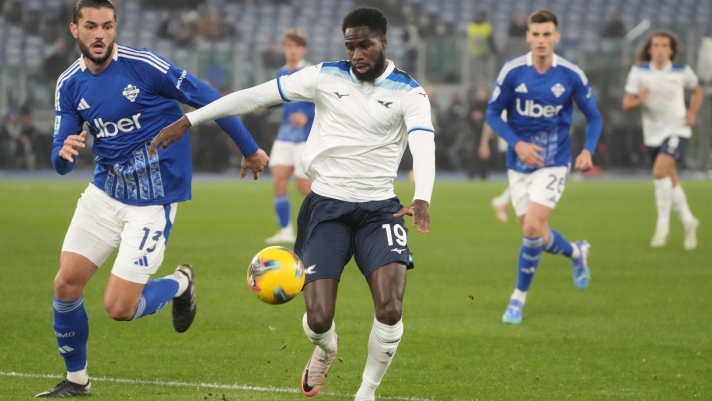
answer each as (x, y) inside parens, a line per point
(124, 96)
(538, 91)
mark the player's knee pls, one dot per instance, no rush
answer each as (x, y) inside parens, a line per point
(389, 314)
(118, 311)
(660, 173)
(532, 229)
(65, 290)
(320, 320)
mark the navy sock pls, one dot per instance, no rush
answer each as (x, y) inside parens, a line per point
(282, 209)
(156, 294)
(529, 256)
(558, 244)
(71, 327)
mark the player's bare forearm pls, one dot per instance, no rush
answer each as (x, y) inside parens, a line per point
(419, 210)
(696, 100)
(169, 134)
(631, 102)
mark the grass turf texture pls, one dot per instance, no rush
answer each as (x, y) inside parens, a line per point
(641, 331)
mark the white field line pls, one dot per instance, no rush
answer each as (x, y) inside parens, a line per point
(201, 384)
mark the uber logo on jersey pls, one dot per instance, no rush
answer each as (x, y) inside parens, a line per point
(109, 129)
(131, 92)
(535, 110)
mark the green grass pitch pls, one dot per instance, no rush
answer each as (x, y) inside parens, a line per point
(641, 331)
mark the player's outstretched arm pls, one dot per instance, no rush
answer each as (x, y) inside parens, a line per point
(631, 101)
(422, 146)
(586, 100)
(695, 103)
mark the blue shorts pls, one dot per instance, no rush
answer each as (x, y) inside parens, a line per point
(331, 231)
(673, 145)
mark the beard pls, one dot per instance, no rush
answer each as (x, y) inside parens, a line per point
(84, 49)
(372, 73)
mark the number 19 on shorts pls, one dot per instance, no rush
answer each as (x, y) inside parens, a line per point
(397, 231)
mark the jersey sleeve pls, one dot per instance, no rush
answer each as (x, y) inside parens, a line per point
(67, 121)
(586, 101)
(632, 83)
(300, 86)
(176, 83)
(416, 111)
(691, 80)
(502, 96)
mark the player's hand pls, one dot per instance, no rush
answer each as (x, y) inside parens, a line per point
(72, 145)
(419, 211)
(298, 119)
(169, 135)
(255, 162)
(583, 161)
(643, 95)
(484, 151)
(691, 118)
(528, 153)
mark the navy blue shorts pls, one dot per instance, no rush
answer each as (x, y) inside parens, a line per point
(672, 145)
(331, 231)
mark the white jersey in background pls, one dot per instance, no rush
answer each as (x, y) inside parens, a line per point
(360, 129)
(664, 111)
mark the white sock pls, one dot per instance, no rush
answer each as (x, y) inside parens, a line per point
(325, 341)
(576, 253)
(182, 280)
(382, 345)
(520, 296)
(679, 204)
(663, 200)
(503, 199)
(79, 377)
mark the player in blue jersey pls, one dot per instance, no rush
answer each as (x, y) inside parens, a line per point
(538, 91)
(286, 154)
(124, 97)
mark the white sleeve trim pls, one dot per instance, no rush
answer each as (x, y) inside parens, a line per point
(422, 147)
(238, 103)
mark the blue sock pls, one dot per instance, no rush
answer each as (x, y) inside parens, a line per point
(156, 294)
(529, 256)
(282, 209)
(71, 327)
(558, 244)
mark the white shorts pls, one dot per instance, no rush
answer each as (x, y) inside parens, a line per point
(543, 186)
(285, 153)
(101, 223)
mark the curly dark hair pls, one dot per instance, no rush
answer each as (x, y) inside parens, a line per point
(82, 4)
(643, 55)
(373, 18)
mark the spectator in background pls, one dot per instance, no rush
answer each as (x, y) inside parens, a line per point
(481, 49)
(175, 29)
(272, 58)
(518, 25)
(455, 127)
(17, 138)
(411, 38)
(476, 117)
(615, 28)
(57, 62)
(225, 27)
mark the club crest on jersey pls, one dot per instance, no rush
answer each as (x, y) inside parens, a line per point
(131, 92)
(558, 90)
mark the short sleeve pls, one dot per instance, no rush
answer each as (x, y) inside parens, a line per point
(691, 80)
(416, 111)
(632, 83)
(300, 86)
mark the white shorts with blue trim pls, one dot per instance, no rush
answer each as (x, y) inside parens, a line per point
(101, 224)
(285, 153)
(543, 186)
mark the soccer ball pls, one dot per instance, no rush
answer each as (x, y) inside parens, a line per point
(275, 275)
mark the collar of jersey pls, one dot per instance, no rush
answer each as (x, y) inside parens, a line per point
(667, 67)
(83, 65)
(389, 69)
(530, 60)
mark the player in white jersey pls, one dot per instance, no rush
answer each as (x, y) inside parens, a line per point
(658, 86)
(366, 112)
(286, 154)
